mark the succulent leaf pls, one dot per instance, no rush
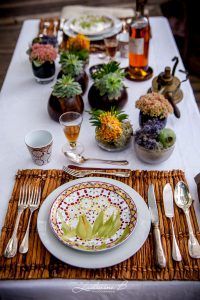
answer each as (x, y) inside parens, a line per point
(70, 64)
(66, 87)
(111, 67)
(110, 85)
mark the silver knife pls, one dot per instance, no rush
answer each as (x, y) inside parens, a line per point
(160, 256)
(169, 212)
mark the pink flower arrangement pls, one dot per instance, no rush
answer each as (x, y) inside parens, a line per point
(154, 105)
(42, 53)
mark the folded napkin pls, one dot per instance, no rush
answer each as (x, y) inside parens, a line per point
(78, 10)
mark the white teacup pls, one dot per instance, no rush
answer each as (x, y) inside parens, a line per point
(39, 144)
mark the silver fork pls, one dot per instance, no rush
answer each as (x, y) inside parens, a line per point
(34, 203)
(24, 194)
(83, 173)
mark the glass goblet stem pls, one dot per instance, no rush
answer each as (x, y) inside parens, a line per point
(72, 145)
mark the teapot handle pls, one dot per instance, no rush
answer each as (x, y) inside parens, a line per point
(176, 59)
(175, 107)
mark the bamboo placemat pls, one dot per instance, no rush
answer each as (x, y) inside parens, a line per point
(38, 263)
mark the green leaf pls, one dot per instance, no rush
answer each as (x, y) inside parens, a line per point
(66, 87)
(71, 65)
(98, 223)
(124, 234)
(116, 225)
(71, 233)
(37, 63)
(65, 228)
(67, 231)
(107, 226)
(84, 228)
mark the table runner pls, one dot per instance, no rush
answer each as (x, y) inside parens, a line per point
(38, 263)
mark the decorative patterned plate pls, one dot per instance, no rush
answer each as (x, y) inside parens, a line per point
(93, 216)
(91, 24)
(114, 30)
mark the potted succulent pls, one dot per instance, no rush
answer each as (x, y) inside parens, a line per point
(153, 106)
(73, 66)
(108, 89)
(113, 130)
(153, 143)
(66, 96)
(42, 58)
(80, 46)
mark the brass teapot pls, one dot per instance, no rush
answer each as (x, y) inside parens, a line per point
(167, 84)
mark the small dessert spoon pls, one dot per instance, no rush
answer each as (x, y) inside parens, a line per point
(79, 159)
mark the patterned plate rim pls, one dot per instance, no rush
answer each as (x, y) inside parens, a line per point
(94, 250)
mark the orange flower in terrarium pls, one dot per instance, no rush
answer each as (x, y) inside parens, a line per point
(78, 42)
(113, 130)
(111, 127)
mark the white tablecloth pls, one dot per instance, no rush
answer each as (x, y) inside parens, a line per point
(23, 107)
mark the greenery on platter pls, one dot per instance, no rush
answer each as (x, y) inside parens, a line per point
(71, 64)
(100, 229)
(66, 87)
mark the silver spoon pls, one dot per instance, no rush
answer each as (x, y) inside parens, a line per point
(79, 159)
(184, 200)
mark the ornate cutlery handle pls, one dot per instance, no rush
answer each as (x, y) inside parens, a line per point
(119, 174)
(193, 244)
(112, 162)
(11, 248)
(160, 256)
(24, 244)
(176, 255)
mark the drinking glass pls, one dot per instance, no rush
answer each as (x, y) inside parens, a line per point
(111, 45)
(71, 124)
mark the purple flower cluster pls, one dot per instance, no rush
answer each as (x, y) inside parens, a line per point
(52, 40)
(46, 40)
(147, 136)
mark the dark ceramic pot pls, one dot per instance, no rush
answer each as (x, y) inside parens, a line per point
(102, 102)
(144, 118)
(44, 73)
(82, 79)
(58, 106)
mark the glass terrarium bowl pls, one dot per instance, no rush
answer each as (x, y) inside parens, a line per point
(153, 156)
(112, 147)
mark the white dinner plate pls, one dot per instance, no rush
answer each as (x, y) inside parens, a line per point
(91, 24)
(114, 30)
(96, 259)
